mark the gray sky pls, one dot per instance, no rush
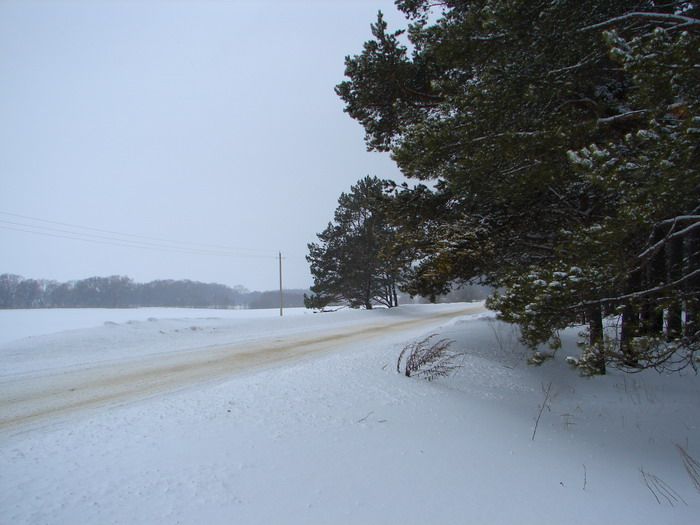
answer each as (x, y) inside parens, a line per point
(203, 122)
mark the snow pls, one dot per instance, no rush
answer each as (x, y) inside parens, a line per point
(340, 437)
(17, 324)
(117, 335)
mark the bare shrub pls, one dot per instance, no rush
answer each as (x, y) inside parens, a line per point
(427, 359)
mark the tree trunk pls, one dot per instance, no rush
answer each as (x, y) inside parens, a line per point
(630, 323)
(675, 272)
(692, 286)
(652, 315)
(368, 294)
(629, 328)
(596, 357)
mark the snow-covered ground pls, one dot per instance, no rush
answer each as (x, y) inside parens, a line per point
(340, 437)
(17, 324)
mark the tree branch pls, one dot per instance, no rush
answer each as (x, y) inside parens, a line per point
(641, 293)
(681, 233)
(509, 134)
(659, 17)
(623, 117)
(587, 60)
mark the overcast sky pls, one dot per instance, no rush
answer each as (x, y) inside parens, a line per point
(210, 123)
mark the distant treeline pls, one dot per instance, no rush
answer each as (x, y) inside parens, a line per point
(122, 292)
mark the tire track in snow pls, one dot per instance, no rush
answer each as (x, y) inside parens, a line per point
(39, 399)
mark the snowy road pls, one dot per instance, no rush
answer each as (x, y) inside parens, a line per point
(35, 398)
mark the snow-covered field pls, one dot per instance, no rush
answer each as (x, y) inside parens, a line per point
(335, 435)
(17, 324)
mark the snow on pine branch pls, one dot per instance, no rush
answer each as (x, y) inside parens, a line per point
(640, 294)
(623, 116)
(678, 20)
(654, 248)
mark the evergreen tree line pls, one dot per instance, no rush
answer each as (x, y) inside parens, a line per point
(555, 147)
(123, 292)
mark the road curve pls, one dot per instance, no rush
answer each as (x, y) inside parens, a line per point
(35, 400)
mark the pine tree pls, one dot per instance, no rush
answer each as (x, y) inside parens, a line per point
(561, 140)
(353, 261)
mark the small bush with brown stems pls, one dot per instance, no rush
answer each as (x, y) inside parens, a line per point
(427, 359)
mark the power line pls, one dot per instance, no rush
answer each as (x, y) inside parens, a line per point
(115, 240)
(126, 244)
(76, 236)
(184, 244)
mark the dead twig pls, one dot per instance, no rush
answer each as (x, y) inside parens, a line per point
(542, 407)
(362, 420)
(660, 489)
(692, 467)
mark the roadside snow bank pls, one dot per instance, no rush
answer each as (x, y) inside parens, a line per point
(145, 332)
(18, 324)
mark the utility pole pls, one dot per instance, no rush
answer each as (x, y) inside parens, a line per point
(281, 293)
